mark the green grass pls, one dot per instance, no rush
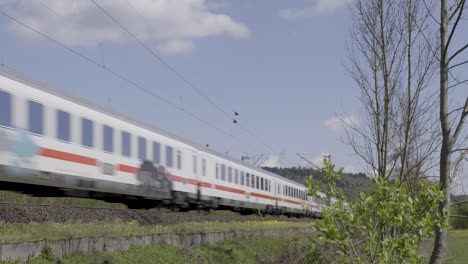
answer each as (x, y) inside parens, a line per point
(284, 249)
(17, 197)
(10, 233)
(458, 246)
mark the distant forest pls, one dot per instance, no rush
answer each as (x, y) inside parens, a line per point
(351, 184)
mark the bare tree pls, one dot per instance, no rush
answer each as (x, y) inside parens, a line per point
(392, 64)
(452, 122)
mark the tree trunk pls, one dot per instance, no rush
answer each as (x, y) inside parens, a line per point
(440, 244)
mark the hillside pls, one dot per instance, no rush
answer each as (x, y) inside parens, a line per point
(351, 184)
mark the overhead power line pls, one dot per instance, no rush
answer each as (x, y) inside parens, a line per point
(177, 73)
(120, 76)
(160, 59)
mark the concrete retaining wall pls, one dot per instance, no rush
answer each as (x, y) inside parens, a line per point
(22, 251)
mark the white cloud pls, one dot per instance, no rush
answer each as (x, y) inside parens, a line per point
(272, 162)
(171, 25)
(176, 46)
(317, 8)
(338, 123)
(316, 160)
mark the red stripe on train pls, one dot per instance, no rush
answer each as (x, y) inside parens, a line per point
(229, 189)
(126, 168)
(60, 155)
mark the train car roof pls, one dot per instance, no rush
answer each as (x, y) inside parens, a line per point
(12, 74)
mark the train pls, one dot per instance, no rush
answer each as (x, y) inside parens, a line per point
(52, 142)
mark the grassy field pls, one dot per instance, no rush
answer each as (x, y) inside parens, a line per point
(53, 231)
(285, 249)
(458, 245)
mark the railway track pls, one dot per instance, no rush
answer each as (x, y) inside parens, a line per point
(11, 212)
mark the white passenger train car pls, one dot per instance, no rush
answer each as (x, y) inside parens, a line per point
(48, 138)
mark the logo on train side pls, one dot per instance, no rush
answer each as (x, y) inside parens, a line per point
(21, 144)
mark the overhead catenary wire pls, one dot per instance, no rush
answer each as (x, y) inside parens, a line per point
(120, 76)
(160, 59)
(155, 55)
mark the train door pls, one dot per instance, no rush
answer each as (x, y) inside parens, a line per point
(193, 169)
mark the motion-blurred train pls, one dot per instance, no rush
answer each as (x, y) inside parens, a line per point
(53, 143)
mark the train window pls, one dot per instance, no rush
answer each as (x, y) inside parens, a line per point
(247, 180)
(253, 181)
(258, 182)
(229, 174)
(169, 156)
(63, 125)
(217, 171)
(87, 135)
(5, 109)
(156, 152)
(36, 118)
(126, 144)
(108, 135)
(141, 148)
(223, 172)
(242, 178)
(179, 160)
(194, 161)
(262, 186)
(236, 176)
(203, 167)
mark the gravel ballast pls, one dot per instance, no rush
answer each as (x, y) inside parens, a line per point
(27, 213)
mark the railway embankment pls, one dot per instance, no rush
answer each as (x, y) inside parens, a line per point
(23, 241)
(30, 213)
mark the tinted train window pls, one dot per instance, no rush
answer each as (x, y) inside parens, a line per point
(258, 182)
(229, 174)
(36, 118)
(126, 144)
(203, 168)
(141, 148)
(87, 135)
(253, 181)
(247, 180)
(156, 152)
(223, 172)
(5, 109)
(217, 171)
(179, 160)
(242, 178)
(108, 135)
(169, 156)
(63, 125)
(236, 176)
(262, 184)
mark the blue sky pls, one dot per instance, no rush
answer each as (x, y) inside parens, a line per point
(278, 63)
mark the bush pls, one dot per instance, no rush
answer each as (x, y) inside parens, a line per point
(385, 226)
